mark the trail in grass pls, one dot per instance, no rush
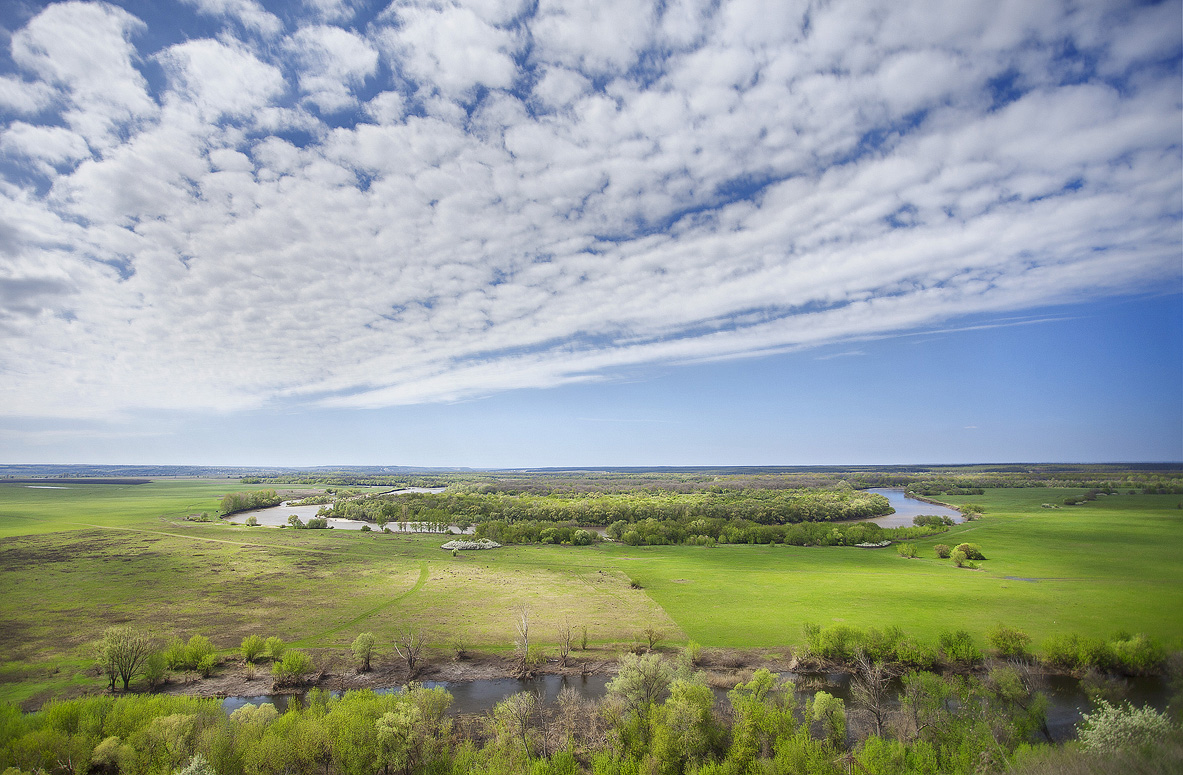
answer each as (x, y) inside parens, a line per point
(423, 574)
(213, 540)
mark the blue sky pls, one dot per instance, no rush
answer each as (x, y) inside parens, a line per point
(508, 233)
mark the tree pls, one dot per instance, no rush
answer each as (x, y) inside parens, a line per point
(652, 636)
(363, 650)
(641, 681)
(524, 658)
(566, 633)
(515, 717)
(971, 551)
(123, 653)
(409, 646)
(870, 691)
(831, 711)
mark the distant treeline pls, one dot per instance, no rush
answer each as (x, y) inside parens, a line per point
(246, 501)
(709, 532)
(923, 480)
(761, 506)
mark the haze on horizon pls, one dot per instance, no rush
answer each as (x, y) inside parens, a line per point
(502, 233)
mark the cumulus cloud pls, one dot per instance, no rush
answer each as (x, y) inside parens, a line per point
(332, 63)
(248, 13)
(457, 198)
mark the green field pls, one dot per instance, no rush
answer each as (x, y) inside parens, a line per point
(73, 562)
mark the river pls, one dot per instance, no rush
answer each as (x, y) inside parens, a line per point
(277, 516)
(906, 508)
(1067, 702)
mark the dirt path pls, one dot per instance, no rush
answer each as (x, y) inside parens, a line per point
(423, 574)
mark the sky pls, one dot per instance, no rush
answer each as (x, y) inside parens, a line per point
(503, 233)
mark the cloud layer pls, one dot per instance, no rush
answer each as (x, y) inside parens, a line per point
(449, 199)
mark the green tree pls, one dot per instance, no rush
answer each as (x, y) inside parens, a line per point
(831, 712)
(123, 653)
(363, 650)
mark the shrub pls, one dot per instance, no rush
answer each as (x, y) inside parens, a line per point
(911, 652)
(1007, 641)
(292, 667)
(1137, 654)
(155, 669)
(251, 521)
(175, 656)
(365, 528)
(252, 647)
(206, 665)
(971, 551)
(198, 648)
(959, 558)
(275, 648)
(906, 550)
(958, 646)
(943, 551)
(1112, 728)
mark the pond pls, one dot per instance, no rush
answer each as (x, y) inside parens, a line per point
(277, 516)
(1067, 702)
(906, 508)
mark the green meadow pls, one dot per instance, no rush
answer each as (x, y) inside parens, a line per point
(73, 562)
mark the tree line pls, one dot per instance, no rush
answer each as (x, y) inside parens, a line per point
(659, 716)
(249, 500)
(767, 507)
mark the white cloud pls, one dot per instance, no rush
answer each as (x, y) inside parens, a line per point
(51, 145)
(85, 50)
(451, 48)
(220, 79)
(332, 63)
(642, 184)
(248, 13)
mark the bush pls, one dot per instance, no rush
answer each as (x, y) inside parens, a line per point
(175, 656)
(1008, 642)
(958, 646)
(206, 665)
(1113, 728)
(906, 550)
(252, 647)
(959, 558)
(971, 551)
(943, 551)
(1137, 654)
(292, 667)
(198, 648)
(275, 648)
(251, 521)
(155, 670)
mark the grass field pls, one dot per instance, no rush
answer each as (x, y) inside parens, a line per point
(73, 562)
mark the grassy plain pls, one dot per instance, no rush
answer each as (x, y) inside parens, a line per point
(73, 562)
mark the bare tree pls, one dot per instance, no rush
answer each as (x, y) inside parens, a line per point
(566, 634)
(870, 691)
(515, 716)
(409, 646)
(522, 644)
(652, 636)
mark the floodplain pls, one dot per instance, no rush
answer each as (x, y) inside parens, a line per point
(75, 561)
